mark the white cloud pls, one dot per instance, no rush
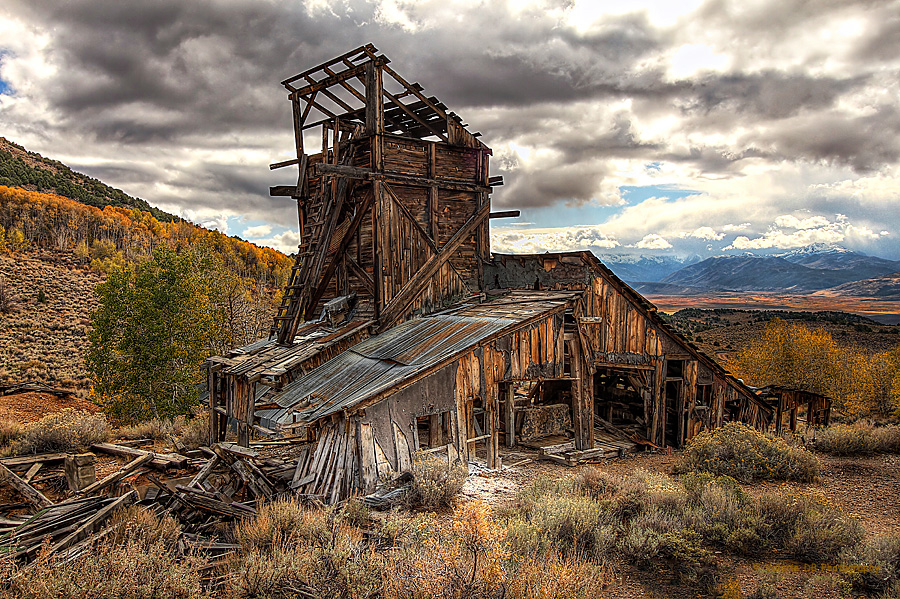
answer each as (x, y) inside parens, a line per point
(792, 222)
(652, 241)
(283, 242)
(256, 232)
(532, 241)
(707, 233)
(824, 231)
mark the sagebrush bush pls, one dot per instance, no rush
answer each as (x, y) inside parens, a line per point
(156, 428)
(887, 438)
(304, 549)
(469, 558)
(69, 430)
(195, 431)
(137, 523)
(875, 564)
(808, 526)
(743, 453)
(132, 569)
(434, 484)
(845, 440)
(10, 432)
(283, 523)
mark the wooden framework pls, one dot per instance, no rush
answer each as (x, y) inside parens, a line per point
(787, 402)
(393, 210)
(394, 204)
(635, 364)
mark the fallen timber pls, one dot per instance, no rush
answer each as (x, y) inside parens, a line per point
(228, 486)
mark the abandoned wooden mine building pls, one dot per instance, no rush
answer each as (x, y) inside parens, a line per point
(400, 332)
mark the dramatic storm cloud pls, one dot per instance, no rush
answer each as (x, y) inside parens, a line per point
(654, 127)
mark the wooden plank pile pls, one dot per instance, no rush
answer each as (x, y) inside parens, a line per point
(230, 483)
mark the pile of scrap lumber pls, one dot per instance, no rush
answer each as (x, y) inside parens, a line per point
(230, 483)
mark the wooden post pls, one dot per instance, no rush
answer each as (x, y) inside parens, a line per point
(510, 399)
(213, 404)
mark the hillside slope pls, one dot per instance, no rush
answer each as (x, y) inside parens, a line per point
(46, 341)
(884, 286)
(30, 170)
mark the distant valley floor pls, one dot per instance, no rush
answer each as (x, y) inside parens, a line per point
(879, 310)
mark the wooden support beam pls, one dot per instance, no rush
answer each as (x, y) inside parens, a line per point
(329, 81)
(505, 214)
(33, 496)
(118, 474)
(361, 211)
(413, 287)
(352, 172)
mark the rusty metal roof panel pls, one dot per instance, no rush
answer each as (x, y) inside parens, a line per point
(426, 339)
(386, 360)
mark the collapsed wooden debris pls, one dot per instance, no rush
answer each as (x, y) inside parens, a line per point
(228, 485)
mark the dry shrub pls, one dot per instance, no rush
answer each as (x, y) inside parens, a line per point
(572, 525)
(469, 558)
(10, 432)
(845, 440)
(808, 526)
(283, 523)
(743, 453)
(157, 428)
(875, 564)
(195, 431)
(288, 548)
(356, 512)
(134, 569)
(434, 484)
(136, 523)
(887, 438)
(67, 431)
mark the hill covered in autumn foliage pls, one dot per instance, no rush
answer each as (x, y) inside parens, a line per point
(30, 170)
(54, 251)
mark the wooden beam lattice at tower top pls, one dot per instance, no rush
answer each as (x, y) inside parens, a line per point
(387, 152)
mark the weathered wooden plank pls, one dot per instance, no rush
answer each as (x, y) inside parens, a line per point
(118, 474)
(30, 493)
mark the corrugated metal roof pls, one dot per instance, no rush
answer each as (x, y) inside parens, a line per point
(383, 361)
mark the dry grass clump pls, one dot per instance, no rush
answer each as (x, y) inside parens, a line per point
(887, 438)
(743, 453)
(858, 439)
(190, 432)
(10, 432)
(434, 484)
(648, 516)
(195, 430)
(283, 523)
(134, 568)
(157, 428)
(469, 557)
(845, 440)
(289, 548)
(69, 430)
(136, 523)
(874, 566)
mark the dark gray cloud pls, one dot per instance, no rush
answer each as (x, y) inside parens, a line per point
(573, 109)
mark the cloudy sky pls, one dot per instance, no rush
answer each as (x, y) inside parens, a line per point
(689, 127)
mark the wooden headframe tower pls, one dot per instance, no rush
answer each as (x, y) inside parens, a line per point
(393, 205)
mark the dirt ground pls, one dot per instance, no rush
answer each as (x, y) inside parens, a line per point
(865, 487)
(26, 408)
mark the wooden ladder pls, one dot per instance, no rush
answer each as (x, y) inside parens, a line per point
(321, 214)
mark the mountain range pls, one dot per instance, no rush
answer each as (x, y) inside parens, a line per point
(805, 270)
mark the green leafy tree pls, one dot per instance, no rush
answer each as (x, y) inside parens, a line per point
(155, 326)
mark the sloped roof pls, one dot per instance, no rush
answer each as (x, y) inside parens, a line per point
(403, 352)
